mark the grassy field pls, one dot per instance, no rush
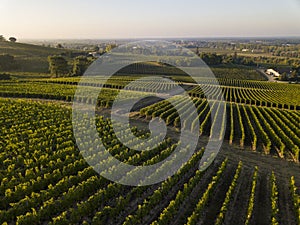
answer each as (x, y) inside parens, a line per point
(30, 58)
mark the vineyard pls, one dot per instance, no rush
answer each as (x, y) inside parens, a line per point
(257, 93)
(255, 179)
(44, 178)
(254, 93)
(268, 130)
(150, 113)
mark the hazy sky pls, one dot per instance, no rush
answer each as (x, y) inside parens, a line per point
(152, 18)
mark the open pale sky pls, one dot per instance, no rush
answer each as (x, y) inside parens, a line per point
(148, 19)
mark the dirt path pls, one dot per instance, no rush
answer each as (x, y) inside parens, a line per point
(265, 163)
(190, 202)
(285, 204)
(262, 205)
(262, 72)
(240, 199)
(214, 205)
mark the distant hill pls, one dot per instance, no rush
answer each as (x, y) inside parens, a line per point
(32, 58)
(220, 71)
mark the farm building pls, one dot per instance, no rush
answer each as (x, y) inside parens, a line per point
(272, 72)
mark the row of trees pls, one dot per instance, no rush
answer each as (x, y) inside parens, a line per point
(59, 66)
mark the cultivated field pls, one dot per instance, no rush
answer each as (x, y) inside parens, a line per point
(255, 178)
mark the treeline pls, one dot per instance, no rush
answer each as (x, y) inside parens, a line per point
(59, 66)
(215, 59)
(211, 59)
(282, 48)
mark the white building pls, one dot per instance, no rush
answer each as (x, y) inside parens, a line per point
(245, 50)
(272, 72)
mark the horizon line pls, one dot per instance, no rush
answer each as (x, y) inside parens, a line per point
(186, 37)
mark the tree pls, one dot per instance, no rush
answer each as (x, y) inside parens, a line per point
(81, 63)
(295, 72)
(234, 57)
(293, 76)
(12, 39)
(2, 38)
(197, 51)
(283, 77)
(211, 58)
(110, 47)
(7, 62)
(59, 46)
(95, 48)
(58, 65)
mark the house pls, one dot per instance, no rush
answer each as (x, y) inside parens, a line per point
(272, 72)
(245, 50)
(94, 54)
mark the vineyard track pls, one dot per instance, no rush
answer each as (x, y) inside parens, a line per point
(158, 208)
(190, 202)
(239, 200)
(214, 204)
(261, 211)
(286, 215)
(132, 207)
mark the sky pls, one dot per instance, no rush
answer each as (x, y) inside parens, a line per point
(96, 19)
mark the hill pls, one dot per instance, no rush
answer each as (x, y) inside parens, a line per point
(221, 71)
(32, 58)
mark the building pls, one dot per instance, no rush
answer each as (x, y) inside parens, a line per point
(94, 54)
(272, 72)
(245, 50)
